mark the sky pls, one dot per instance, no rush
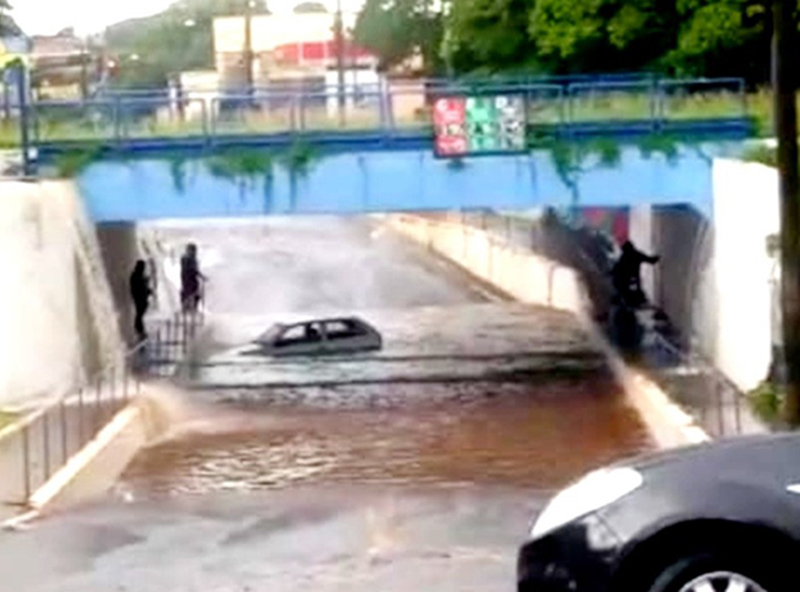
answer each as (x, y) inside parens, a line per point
(47, 17)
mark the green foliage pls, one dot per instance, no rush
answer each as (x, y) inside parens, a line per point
(767, 401)
(7, 418)
(309, 7)
(397, 30)
(72, 163)
(762, 153)
(165, 45)
(241, 165)
(489, 35)
(680, 37)
(300, 157)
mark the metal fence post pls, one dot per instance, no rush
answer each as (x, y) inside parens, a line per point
(46, 444)
(64, 439)
(720, 405)
(26, 463)
(96, 416)
(80, 418)
(117, 109)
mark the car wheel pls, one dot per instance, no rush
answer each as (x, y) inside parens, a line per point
(718, 573)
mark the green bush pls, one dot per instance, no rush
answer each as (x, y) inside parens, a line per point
(767, 400)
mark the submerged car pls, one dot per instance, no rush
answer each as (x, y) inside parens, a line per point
(722, 517)
(320, 337)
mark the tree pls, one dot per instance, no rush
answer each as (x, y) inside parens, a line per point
(723, 38)
(488, 34)
(180, 38)
(602, 35)
(309, 8)
(8, 26)
(396, 29)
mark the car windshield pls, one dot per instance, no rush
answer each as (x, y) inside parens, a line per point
(270, 334)
(334, 295)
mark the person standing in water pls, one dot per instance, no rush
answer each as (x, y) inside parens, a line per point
(191, 279)
(140, 294)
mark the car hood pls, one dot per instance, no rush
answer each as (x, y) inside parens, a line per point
(778, 455)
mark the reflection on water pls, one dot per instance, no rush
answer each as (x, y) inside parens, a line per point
(531, 435)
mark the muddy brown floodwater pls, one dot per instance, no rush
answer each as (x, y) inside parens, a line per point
(534, 434)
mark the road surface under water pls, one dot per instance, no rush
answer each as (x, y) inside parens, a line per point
(530, 435)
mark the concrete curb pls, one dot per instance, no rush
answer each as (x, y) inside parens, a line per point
(95, 468)
(668, 424)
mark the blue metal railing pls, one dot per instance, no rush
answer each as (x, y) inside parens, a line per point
(384, 111)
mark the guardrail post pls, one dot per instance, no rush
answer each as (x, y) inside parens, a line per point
(26, 463)
(299, 105)
(204, 120)
(46, 444)
(81, 429)
(96, 416)
(720, 405)
(64, 440)
(117, 109)
(216, 109)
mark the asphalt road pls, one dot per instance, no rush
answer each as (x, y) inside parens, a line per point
(351, 539)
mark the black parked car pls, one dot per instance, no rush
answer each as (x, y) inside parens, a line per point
(722, 517)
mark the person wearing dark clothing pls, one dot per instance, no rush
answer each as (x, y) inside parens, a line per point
(140, 293)
(190, 279)
(626, 274)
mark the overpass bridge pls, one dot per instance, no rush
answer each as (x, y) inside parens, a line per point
(600, 143)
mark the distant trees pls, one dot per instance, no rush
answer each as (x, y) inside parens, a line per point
(398, 29)
(682, 37)
(180, 38)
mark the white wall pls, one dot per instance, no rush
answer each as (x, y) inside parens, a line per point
(55, 305)
(745, 214)
(524, 275)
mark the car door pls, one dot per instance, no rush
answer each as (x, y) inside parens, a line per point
(345, 336)
(301, 339)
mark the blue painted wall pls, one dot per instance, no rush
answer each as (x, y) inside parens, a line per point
(379, 181)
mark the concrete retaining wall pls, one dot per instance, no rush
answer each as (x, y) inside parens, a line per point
(746, 212)
(521, 274)
(55, 305)
(95, 469)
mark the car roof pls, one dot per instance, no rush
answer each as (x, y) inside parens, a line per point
(322, 320)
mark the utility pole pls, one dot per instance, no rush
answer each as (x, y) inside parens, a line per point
(248, 47)
(338, 31)
(783, 87)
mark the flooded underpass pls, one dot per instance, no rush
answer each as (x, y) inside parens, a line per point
(534, 435)
(416, 467)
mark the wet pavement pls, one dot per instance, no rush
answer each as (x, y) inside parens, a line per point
(418, 467)
(333, 539)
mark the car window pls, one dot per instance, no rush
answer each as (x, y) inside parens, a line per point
(296, 334)
(343, 329)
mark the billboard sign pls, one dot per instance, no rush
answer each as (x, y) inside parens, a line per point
(474, 125)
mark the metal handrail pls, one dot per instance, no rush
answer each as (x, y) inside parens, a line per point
(112, 389)
(210, 114)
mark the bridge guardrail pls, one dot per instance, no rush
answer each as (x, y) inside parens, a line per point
(34, 448)
(386, 109)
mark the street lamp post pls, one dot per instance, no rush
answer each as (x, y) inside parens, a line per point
(339, 40)
(248, 47)
(783, 88)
